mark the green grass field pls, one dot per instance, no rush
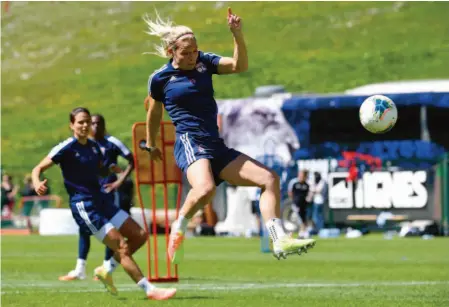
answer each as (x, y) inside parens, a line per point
(60, 55)
(368, 271)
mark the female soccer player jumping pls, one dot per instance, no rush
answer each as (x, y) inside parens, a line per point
(184, 87)
(83, 164)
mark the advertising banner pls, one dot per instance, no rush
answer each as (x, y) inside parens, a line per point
(408, 193)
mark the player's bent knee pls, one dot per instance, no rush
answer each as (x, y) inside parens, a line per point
(112, 240)
(123, 248)
(271, 180)
(143, 237)
(206, 192)
(143, 234)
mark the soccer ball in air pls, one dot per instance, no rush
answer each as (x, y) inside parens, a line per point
(378, 114)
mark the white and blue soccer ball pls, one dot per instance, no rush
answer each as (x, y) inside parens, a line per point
(378, 114)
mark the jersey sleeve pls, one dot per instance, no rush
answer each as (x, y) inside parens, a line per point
(291, 184)
(155, 87)
(58, 152)
(121, 148)
(211, 60)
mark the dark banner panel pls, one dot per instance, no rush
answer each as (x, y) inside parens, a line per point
(407, 193)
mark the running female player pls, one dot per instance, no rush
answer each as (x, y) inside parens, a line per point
(111, 148)
(82, 165)
(184, 87)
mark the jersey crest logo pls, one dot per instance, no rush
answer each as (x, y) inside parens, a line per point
(200, 67)
(103, 150)
(173, 78)
(201, 149)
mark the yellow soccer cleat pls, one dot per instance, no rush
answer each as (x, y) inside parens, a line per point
(106, 278)
(289, 246)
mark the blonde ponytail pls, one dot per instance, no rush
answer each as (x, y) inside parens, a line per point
(167, 32)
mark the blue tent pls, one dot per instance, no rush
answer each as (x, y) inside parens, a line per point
(440, 100)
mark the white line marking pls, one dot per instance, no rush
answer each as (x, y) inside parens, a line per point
(67, 287)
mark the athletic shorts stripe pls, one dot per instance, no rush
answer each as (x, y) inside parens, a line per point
(188, 150)
(85, 217)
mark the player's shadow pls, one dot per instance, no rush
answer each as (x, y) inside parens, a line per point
(196, 297)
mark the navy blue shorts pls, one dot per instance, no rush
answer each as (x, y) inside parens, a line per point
(189, 148)
(112, 198)
(97, 216)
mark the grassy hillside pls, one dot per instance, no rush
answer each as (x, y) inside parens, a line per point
(58, 55)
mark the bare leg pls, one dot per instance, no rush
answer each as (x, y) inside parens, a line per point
(136, 236)
(115, 241)
(201, 179)
(245, 171)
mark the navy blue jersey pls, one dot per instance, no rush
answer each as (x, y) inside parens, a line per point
(82, 167)
(188, 95)
(300, 191)
(111, 148)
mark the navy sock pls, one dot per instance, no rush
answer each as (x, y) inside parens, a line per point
(108, 253)
(83, 246)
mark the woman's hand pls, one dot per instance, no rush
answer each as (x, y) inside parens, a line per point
(155, 153)
(41, 188)
(234, 22)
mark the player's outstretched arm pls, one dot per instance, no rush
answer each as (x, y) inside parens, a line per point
(41, 186)
(239, 62)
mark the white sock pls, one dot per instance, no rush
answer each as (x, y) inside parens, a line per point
(181, 224)
(145, 285)
(110, 265)
(275, 229)
(80, 266)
